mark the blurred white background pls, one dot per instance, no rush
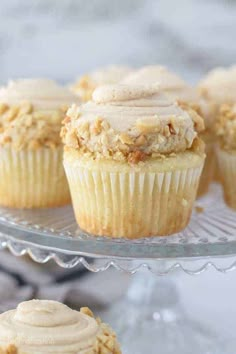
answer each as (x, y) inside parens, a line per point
(64, 38)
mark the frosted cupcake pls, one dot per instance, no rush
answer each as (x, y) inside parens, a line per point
(226, 152)
(219, 87)
(41, 326)
(31, 171)
(133, 160)
(169, 82)
(187, 96)
(85, 85)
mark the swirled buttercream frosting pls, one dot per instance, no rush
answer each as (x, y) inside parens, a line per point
(31, 112)
(43, 94)
(220, 85)
(130, 122)
(175, 87)
(155, 73)
(113, 74)
(168, 81)
(39, 326)
(109, 75)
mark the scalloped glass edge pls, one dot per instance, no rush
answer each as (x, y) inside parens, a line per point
(192, 266)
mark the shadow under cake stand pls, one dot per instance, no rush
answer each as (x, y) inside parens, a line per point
(151, 308)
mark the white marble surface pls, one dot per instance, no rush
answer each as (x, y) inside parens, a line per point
(62, 39)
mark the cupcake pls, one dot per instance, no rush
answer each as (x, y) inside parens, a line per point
(31, 170)
(226, 152)
(218, 87)
(85, 85)
(41, 326)
(187, 96)
(133, 161)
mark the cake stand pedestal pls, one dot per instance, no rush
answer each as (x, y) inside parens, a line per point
(152, 310)
(151, 318)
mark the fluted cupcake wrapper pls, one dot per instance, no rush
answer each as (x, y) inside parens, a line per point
(208, 170)
(32, 178)
(132, 204)
(227, 169)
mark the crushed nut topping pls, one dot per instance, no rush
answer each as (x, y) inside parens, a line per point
(226, 127)
(148, 137)
(136, 156)
(196, 113)
(206, 109)
(141, 140)
(87, 311)
(106, 341)
(84, 88)
(22, 126)
(126, 139)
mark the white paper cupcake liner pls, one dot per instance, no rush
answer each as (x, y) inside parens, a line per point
(32, 178)
(132, 204)
(227, 169)
(208, 170)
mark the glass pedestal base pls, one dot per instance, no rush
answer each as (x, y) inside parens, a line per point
(151, 320)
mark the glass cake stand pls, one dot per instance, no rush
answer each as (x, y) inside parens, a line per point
(152, 308)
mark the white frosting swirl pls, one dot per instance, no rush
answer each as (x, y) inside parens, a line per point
(109, 75)
(39, 326)
(168, 81)
(175, 87)
(155, 73)
(42, 93)
(220, 85)
(123, 119)
(124, 106)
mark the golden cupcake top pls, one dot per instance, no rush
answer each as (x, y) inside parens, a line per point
(31, 111)
(220, 85)
(40, 327)
(226, 127)
(85, 86)
(130, 122)
(174, 86)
